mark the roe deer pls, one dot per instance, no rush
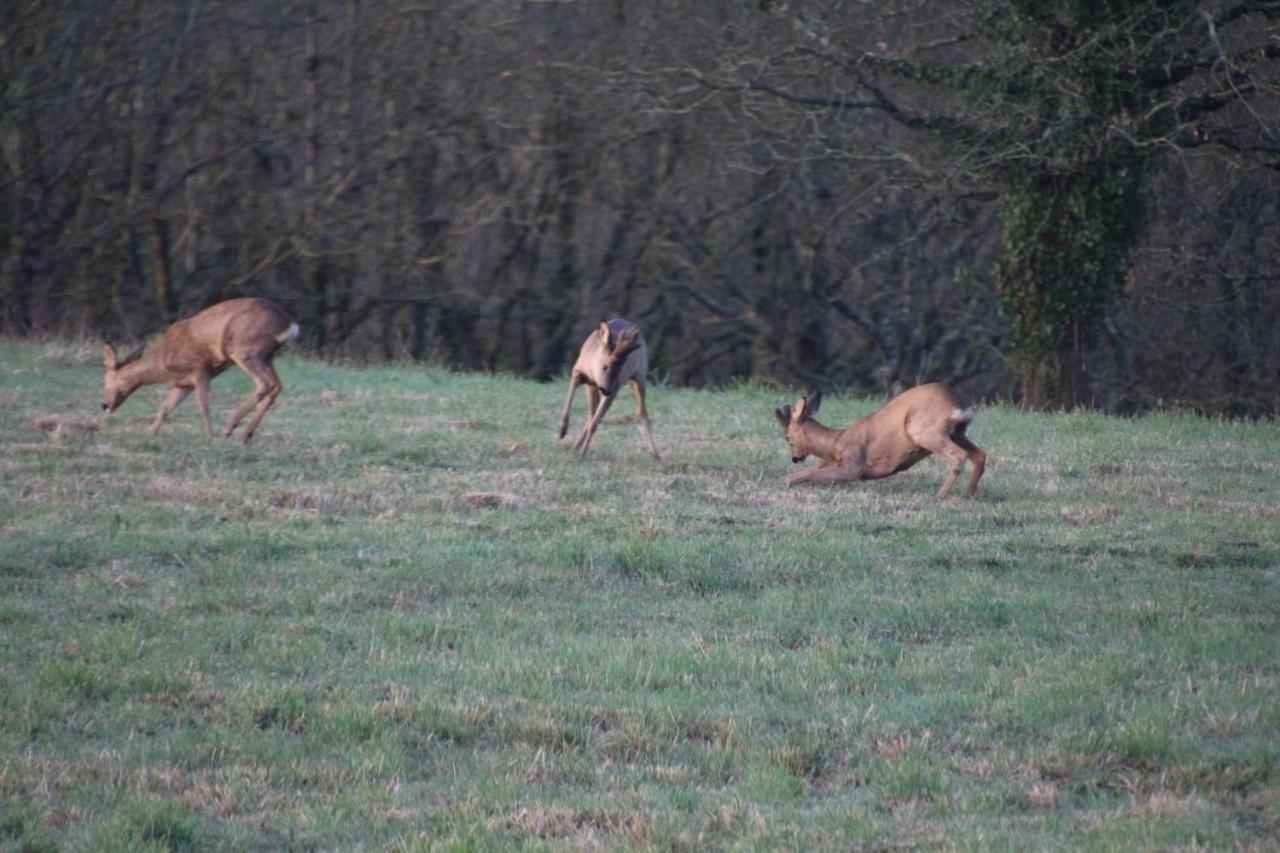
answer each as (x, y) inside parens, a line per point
(613, 354)
(926, 419)
(246, 332)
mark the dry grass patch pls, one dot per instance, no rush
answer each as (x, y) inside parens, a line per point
(115, 576)
(182, 488)
(1170, 804)
(582, 826)
(1043, 795)
(894, 746)
(1090, 515)
(735, 817)
(331, 397)
(344, 501)
(61, 426)
(493, 500)
(37, 448)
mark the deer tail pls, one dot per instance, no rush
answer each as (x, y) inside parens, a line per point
(288, 334)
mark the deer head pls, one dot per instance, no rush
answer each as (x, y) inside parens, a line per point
(793, 419)
(115, 388)
(611, 355)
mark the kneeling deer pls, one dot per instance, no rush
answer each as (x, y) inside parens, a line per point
(246, 332)
(613, 354)
(926, 419)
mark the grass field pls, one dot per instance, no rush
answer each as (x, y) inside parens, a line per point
(406, 617)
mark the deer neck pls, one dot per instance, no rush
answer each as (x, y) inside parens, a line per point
(147, 370)
(821, 440)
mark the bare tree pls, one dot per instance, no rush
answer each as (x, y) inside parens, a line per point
(480, 183)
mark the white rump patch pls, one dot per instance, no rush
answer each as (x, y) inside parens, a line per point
(289, 333)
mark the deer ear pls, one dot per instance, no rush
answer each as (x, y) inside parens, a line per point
(627, 341)
(603, 332)
(783, 414)
(108, 356)
(812, 402)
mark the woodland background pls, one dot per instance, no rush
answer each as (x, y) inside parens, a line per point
(839, 194)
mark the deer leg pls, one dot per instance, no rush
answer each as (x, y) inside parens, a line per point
(584, 440)
(593, 403)
(268, 388)
(267, 402)
(976, 456)
(176, 395)
(574, 381)
(646, 426)
(949, 450)
(827, 472)
(202, 397)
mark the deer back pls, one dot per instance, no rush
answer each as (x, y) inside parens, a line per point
(891, 436)
(236, 328)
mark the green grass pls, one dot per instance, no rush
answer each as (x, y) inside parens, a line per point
(407, 617)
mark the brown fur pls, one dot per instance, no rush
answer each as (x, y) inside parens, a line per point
(613, 354)
(246, 332)
(924, 420)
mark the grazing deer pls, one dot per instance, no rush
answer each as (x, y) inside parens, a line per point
(246, 332)
(613, 354)
(926, 419)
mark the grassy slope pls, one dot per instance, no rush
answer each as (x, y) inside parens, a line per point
(406, 616)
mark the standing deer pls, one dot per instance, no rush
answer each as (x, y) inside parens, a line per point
(926, 419)
(613, 354)
(246, 332)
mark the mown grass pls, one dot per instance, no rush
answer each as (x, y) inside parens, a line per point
(407, 618)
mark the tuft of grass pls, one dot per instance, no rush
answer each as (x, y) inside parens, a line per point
(151, 824)
(286, 709)
(408, 617)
